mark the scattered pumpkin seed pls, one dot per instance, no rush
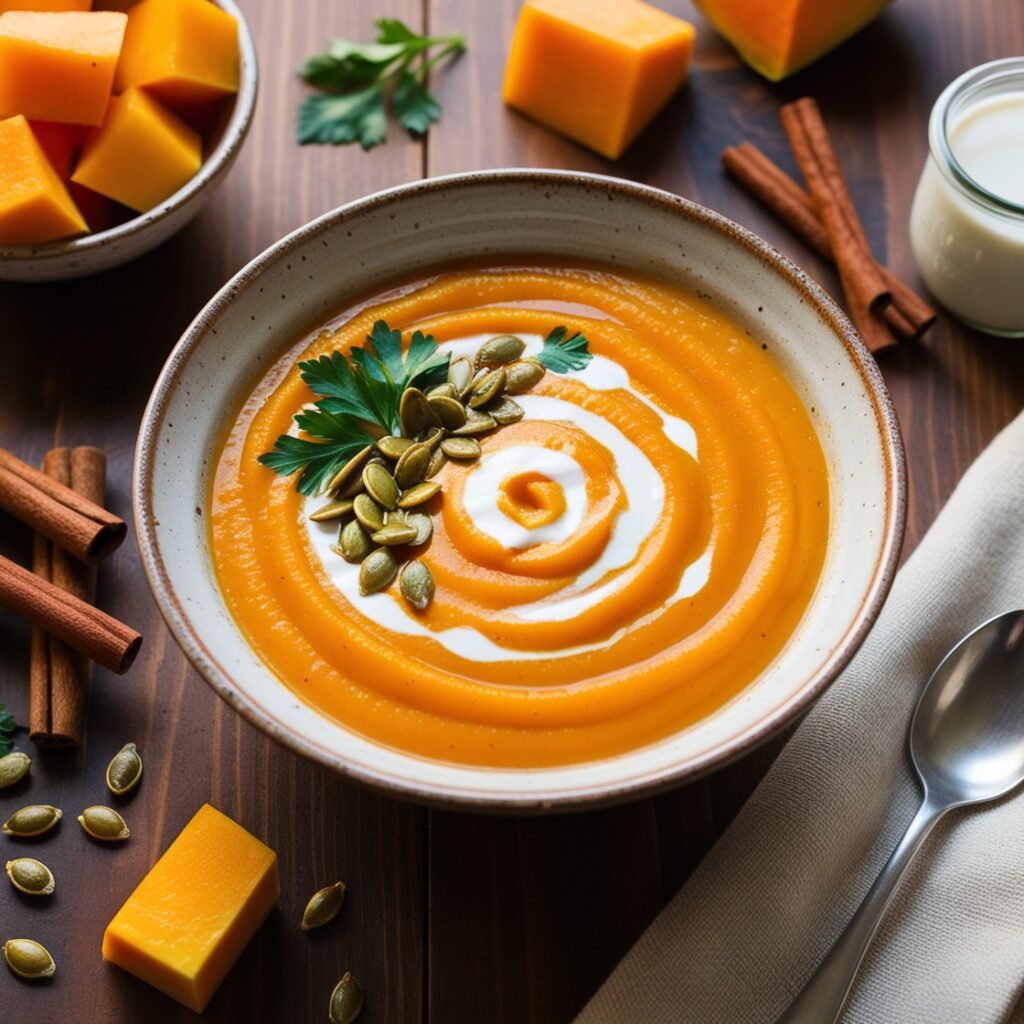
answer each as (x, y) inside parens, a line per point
(344, 474)
(490, 387)
(461, 447)
(419, 494)
(477, 422)
(478, 375)
(446, 390)
(450, 411)
(30, 876)
(332, 510)
(323, 906)
(523, 375)
(460, 375)
(423, 525)
(394, 533)
(412, 466)
(33, 820)
(377, 571)
(13, 768)
(352, 489)
(431, 437)
(103, 823)
(414, 412)
(354, 543)
(504, 348)
(437, 460)
(28, 959)
(416, 583)
(346, 1000)
(124, 771)
(380, 485)
(393, 447)
(505, 411)
(368, 512)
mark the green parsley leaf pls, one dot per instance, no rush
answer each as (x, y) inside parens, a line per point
(360, 77)
(353, 117)
(562, 354)
(8, 727)
(415, 107)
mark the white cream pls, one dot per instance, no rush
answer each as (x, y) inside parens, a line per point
(641, 482)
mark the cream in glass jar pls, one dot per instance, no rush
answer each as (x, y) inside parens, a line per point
(967, 221)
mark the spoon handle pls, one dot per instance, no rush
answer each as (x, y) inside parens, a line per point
(823, 996)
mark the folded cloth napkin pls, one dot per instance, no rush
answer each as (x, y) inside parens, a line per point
(745, 933)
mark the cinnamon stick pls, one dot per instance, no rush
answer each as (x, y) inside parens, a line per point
(866, 292)
(92, 632)
(81, 527)
(908, 315)
(59, 676)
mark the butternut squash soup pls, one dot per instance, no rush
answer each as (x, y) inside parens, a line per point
(521, 516)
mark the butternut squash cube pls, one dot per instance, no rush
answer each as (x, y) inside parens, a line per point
(141, 155)
(778, 37)
(182, 51)
(60, 143)
(45, 5)
(596, 70)
(58, 66)
(34, 204)
(189, 919)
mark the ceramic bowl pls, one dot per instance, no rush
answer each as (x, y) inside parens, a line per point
(57, 261)
(300, 281)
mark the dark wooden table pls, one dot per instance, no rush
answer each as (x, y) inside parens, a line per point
(451, 917)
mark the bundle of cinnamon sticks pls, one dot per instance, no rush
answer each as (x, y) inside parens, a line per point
(63, 503)
(882, 307)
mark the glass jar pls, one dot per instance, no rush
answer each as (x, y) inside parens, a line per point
(967, 220)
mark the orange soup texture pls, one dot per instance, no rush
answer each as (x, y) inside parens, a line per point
(616, 566)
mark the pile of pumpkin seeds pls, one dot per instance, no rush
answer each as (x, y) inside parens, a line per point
(379, 495)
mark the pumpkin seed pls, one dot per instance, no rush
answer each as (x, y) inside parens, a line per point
(460, 375)
(437, 460)
(124, 771)
(505, 411)
(431, 437)
(419, 494)
(414, 412)
(323, 906)
(478, 376)
(477, 422)
(393, 447)
(423, 525)
(344, 474)
(30, 876)
(394, 533)
(380, 485)
(504, 348)
(103, 823)
(28, 959)
(33, 820)
(377, 571)
(354, 543)
(417, 584)
(332, 510)
(490, 387)
(352, 489)
(13, 768)
(346, 1000)
(442, 391)
(368, 512)
(450, 412)
(522, 376)
(412, 466)
(461, 447)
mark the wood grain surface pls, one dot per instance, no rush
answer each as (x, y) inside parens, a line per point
(451, 917)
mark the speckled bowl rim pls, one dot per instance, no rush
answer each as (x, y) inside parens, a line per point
(656, 781)
(216, 164)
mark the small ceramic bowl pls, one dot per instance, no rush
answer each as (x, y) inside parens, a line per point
(299, 282)
(57, 261)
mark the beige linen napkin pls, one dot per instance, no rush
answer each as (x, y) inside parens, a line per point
(739, 940)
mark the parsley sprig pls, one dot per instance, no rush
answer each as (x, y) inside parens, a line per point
(8, 727)
(562, 353)
(357, 394)
(357, 78)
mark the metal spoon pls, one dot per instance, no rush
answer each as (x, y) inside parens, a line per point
(967, 746)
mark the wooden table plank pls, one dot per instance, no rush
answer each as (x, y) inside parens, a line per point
(560, 900)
